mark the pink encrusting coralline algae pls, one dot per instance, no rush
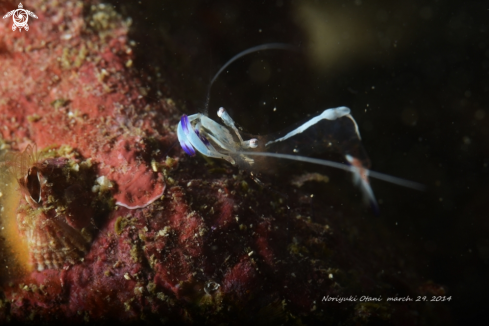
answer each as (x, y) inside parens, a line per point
(154, 235)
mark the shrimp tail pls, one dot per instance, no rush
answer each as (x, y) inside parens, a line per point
(360, 179)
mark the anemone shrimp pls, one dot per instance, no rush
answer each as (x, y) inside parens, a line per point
(333, 128)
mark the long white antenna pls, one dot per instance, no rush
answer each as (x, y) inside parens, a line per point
(267, 46)
(373, 174)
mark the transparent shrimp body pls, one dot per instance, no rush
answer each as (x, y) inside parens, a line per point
(199, 133)
(334, 127)
(202, 134)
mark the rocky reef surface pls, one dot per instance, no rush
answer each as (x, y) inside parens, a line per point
(179, 239)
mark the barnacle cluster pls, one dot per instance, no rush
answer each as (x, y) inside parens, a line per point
(50, 214)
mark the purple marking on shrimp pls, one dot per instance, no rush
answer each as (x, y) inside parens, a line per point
(187, 148)
(202, 137)
(185, 124)
(204, 140)
(185, 143)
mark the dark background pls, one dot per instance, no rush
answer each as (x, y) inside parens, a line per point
(414, 73)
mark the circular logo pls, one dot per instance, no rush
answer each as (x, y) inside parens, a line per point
(20, 18)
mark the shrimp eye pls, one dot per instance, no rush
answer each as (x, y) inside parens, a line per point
(33, 184)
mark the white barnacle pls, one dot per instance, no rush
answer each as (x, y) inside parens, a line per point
(75, 167)
(211, 287)
(104, 183)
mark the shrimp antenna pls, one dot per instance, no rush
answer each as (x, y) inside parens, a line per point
(373, 174)
(267, 46)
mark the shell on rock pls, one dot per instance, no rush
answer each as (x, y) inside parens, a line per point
(57, 209)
